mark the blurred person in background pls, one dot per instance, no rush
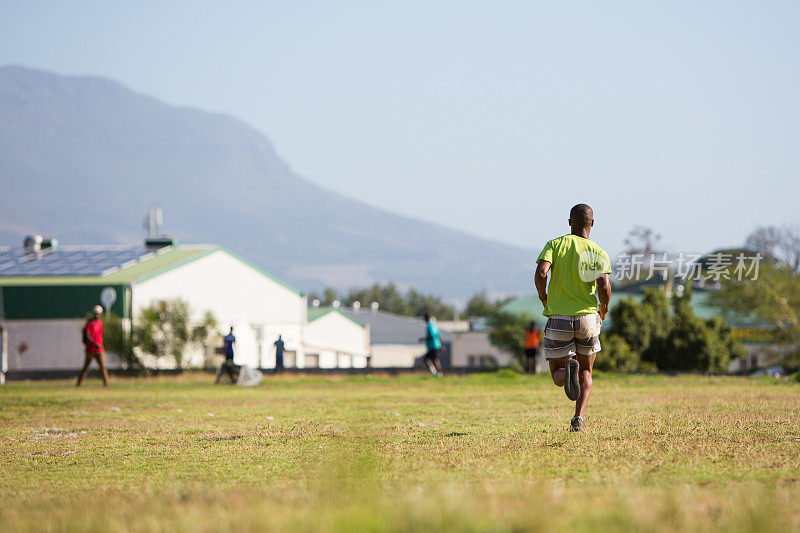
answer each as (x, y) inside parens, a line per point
(93, 346)
(228, 365)
(279, 349)
(433, 343)
(531, 346)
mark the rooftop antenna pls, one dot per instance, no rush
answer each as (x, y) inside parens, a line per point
(152, 221)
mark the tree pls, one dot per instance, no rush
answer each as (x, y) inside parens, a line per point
(617, 355)
(203, 332)
(118, 338)
(638, 324)
(163, 329)
(645, 243)
(693, 343)
(389, 297)
(781, 244)
(773, 298)
(481, 306)
(642, 240)
(508, 332)
(419, 304)
(671, 337)
(327, 297)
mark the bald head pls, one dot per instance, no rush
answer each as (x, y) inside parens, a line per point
(581, 217)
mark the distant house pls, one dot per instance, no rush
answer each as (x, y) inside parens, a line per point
(48, 291)
(395, 339)
(335, 340)
(474, 349)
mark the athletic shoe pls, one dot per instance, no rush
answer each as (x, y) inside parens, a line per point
(572, 382)
(576, 424)
(433, 371)
(441, 374)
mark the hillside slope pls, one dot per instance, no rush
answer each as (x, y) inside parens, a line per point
(81, 159)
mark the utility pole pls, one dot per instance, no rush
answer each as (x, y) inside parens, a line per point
(3, 342)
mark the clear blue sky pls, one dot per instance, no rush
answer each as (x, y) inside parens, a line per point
(492, 117)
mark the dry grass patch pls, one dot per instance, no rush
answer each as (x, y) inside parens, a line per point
(483, 453)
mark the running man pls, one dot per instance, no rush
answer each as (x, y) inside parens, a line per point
(433, 342)
(227, 366)
(579, 274)
(93, 346)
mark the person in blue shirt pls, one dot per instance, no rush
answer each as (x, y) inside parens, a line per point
(433, 343)
(227, 366)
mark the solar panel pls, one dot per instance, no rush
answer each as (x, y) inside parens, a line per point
(69, 261)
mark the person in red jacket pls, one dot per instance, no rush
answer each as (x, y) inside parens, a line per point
(93, 345)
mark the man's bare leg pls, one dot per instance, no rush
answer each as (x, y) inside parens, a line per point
(87, 361)
(586, 363)
(101, 359)
(557, 371)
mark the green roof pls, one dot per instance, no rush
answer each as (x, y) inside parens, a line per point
(137, 272)
(315, 313)
(527, 303)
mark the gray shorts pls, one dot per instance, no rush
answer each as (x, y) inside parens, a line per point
(566, 336)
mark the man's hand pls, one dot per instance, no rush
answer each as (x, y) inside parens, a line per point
(602, 311)
(543, 299)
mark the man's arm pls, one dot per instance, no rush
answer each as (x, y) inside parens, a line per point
(540, 280)
(604, 294)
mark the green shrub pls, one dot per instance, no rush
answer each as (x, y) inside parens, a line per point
(616, 355)
(673, 341)
(118, 339)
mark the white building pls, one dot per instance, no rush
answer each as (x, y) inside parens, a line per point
(473, 349)
(335, 340)
(48, 292)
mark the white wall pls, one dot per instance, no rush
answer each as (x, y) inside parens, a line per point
(476, 343)
(340, 342)
(239, 296)
(52, 345)
(395, 355)
(265, 336)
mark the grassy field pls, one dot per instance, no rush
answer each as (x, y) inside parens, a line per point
(481, 452)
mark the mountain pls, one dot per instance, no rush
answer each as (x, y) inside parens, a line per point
(81, 159)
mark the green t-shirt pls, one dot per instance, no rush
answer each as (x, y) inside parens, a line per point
(575, 264)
